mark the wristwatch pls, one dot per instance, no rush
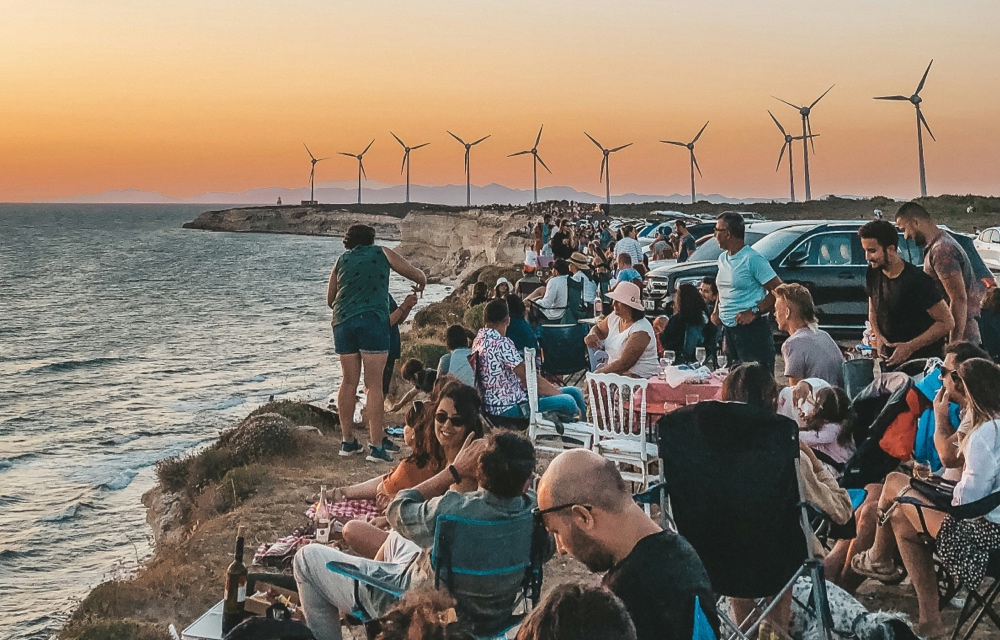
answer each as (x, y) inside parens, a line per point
(455, 474)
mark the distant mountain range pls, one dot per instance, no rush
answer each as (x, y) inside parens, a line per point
(378, 193)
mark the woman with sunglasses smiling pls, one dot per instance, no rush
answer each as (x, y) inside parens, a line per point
(444, 426)
(963, 545)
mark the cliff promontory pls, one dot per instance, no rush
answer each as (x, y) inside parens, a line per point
(314, 220)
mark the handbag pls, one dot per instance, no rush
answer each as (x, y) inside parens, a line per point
(935, 489)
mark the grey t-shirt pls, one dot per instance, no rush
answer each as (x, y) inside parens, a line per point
(945, 257)
(812, 353)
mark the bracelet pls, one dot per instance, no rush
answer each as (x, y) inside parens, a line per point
(455, 474)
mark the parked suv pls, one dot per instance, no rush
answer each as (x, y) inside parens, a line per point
(825, 256)
(988, 245)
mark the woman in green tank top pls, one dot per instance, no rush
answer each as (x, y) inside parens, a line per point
(358, 294)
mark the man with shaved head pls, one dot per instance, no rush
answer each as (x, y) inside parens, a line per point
(586, 505)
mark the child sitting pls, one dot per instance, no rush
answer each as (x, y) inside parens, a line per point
(826, 428)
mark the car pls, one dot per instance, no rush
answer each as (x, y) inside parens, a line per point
(698, 229)
(987, 243)
(824, 255)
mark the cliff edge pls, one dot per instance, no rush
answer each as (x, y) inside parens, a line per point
(316, 220)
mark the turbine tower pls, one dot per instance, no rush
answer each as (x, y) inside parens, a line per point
(606, 165)
(694, 160)
(536, 159)
(806, 135)
(789, 139)
(468, 174)
(312, 172)
(915, 100)
(361, 165)
(406, 161)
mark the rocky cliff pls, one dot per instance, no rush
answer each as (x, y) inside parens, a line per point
(448, 245)
(318, 220)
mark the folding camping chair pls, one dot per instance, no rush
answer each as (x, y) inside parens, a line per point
(512, 567)
(979, 602)
(620, 435)
(563, 351)
(557, 435)
(729, 482)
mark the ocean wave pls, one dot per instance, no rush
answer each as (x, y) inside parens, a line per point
(71, 512)
(72, 365)
(120, 440)
(12, 554)
(7, 499)
(7, 463)
(120, 481)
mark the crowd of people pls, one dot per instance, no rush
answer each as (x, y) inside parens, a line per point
(654, 585)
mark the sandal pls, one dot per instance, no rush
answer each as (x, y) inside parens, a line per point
(885, 572)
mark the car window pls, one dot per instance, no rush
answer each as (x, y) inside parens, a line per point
(771, 245)
(994, 235)
(910, 252)
(710, 250)
(827, 249)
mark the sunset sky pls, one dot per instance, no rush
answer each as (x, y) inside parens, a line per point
(219, 95)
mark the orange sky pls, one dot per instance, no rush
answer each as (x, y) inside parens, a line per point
(188, 97)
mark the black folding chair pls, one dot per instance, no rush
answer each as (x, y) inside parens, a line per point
(979, 602)
(563, 350)
(730, 485)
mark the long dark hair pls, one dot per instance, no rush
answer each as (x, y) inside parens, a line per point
(832, 405)
(467, 405)
(753, 384)
(689, 304)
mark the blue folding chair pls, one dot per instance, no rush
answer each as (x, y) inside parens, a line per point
(563, 350)
(479, 562)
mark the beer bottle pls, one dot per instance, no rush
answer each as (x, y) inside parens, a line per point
(233, 609)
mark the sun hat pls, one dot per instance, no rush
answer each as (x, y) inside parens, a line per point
(579, 259)
(628, 294)
(501, 281)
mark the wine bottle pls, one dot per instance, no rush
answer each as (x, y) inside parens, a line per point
(233, 610)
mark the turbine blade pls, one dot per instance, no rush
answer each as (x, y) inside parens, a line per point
(679, 144)
(419, 145)
(539, 138)
(699, 134)
(781, 155)
(695, 161)
(481, 139)
(923, 80)
(368, 147)
(406, 154)
(923, 121)
(780, 128)
(308, 151)
(397, 139)
(456, 137)
(809, 133)
(604, 161)
(594, 141)
(362, 165)
(519, 153)
(620, 148)
(543, 163)
(794, 106)
(821, 97)
(467, 161)
(892, 98)
(344, 153)
(321, 159)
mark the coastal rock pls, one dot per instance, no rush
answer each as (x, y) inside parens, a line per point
(258, 436)
(449, 245)
(316, 220)
(165, 515)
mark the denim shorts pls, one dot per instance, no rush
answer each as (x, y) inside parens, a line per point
(367, 333)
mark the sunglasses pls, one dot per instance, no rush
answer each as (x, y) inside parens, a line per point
(951, 373)
(541, 512)
(456, 421)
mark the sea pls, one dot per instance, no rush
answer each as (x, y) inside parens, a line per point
(125, 339)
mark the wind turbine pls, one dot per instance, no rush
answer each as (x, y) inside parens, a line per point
(789, 139)
(468, 174)
(806, 134)
(606, 165)
(361, 165)
(915, 99)
(694, 160)
(312, 172)
(406, 161)
(534, 152)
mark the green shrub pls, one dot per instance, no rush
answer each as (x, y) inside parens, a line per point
(474, 317)
(301, 414)
(427, 352)
(439, 315)
(259, 436)
(209, 465)
(173, 472)
(238, 485)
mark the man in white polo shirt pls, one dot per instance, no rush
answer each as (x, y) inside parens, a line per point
(745, 283)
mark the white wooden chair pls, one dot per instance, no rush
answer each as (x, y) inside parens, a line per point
(619, 434)
(579, 434)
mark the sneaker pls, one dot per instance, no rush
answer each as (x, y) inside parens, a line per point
(348, 448)
(389, 445)
(378, 454)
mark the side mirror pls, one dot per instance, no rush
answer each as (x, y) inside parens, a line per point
(797, 258)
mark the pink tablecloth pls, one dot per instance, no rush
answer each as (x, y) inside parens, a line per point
(659, 394)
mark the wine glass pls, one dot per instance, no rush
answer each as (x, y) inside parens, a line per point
(700, 354)
(669, 356)
(722, 360)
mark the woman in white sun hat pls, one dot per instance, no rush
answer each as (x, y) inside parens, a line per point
(627, 335)
(502, 288)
